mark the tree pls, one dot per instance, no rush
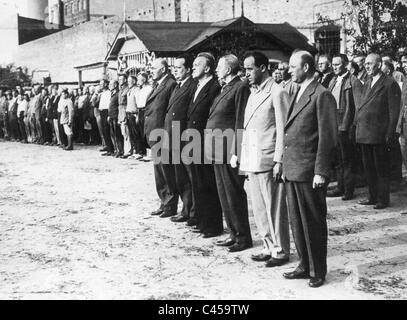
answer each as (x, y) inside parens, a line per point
(377, 25)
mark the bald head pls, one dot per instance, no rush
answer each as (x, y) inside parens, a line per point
(373, 64)
(302, 66)
(159, 68)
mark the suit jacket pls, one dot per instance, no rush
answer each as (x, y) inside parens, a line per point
(402, 123)
(310, 134)
(363, 76)
(377, 116)
(156, 107)
(114, 105)
(227, 112)
(177, 110)
(326, 79)
(290, 86)
(53, 110)
(67, 113)
(351, 89)
(263, 136)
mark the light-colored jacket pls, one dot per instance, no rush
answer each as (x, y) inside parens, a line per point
(263, 135)
(67, 111)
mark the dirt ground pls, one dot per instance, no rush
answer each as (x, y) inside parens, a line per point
(75, 225)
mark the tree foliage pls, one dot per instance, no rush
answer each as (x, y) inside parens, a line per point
(377, 25)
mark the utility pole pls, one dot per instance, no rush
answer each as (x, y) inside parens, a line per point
(154, 12)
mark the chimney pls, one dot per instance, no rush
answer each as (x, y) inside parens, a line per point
(177, 8)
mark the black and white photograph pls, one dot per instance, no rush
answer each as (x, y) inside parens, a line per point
(203, 150)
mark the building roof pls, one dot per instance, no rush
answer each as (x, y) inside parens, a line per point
(162, 36)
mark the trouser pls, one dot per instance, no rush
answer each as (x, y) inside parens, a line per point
(207, 210)
(46, 126)
(79, 125)
(233, 200)
(106, 130)
(345, 164)
(62, 135)
(164, 175)
(307, 209)
(21, 126)
(184, 189)
(56, 129)
(268, 200)
(99, 125)
(403, 146)
(28, 127)
(37, 127)
(396, 161)
(376, 161)
(3, 126)
(13, 127)
(132, 127)
(138, 132)
(115, 136)
(127, 147)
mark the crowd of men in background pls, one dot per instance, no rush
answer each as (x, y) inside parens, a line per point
(301, 127)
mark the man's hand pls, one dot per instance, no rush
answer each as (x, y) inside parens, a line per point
(234, 162)
(277, 171)
(319, 182)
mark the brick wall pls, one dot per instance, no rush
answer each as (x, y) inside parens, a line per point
(59, 53)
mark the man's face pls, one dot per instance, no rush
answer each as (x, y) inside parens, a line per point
(360, 61)
(372, 66)
(131, 82)
(122, 81)
(157, 70)
(253, 73)
(404, 63)
(65, 95)
(112, 85)
(296, 70)
(323, 64)
(222, 70)
(199, 67)
(337, 66)
(103, 84)
(180, 71)
(283, 71)
(141, 81)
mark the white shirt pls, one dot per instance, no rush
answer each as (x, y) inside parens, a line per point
(303, 86)
(141, 95)
(105, 100)
(22, 106)
(375, 79)
(201, 83)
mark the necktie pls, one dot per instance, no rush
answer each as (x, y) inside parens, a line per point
(293, 103)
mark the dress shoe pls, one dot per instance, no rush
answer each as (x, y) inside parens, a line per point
(239, 247)
(208, 235)
(192, 222)
(316, 282)
(276, 262)
(366, 202)
(168, 214)
(68, 148)
(179, 218)
(380, 206)
(225, 242)
(107, 154)
(125, 156)
(157, 212)
(334, 193)
(262, 257)
(103, 149)
(347, 197)
(296, 274)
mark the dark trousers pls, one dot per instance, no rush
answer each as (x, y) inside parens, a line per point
(307, 210)
(116, 136)
(345, 164)
(376, 162)
(104, 114)
(21, 126)
(140, 144)
(233, 200)
(132, 123)
(396, 161)
(46, 128)
(184, 189)
(164, 175)
(79, 125)
(207, 210)
(13, 126)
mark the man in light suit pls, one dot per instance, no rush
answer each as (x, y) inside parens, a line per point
(156, 107)
(207, 214)
(376, 122)
(226, 115)
(262, 156)
(175, 124)
(309, 141)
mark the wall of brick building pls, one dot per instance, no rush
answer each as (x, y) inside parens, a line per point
(60, 53)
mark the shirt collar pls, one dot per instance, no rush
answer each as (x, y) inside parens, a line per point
(181, 83)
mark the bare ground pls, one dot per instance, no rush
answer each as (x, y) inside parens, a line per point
(74, 225)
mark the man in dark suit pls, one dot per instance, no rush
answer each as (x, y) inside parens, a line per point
(376, 121)
(174, 125)
(207, 214)
(346, 90)
(114, 126)
(156, 107)
(310, 139)
(227, 115)
(324, 64)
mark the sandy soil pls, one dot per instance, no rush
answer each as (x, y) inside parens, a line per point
(77, 226)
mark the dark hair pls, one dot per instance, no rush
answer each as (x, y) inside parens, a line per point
(389, 65)
(260, 59)
(355, 66)
(343, 57)
(210, 60)
(188, 60)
